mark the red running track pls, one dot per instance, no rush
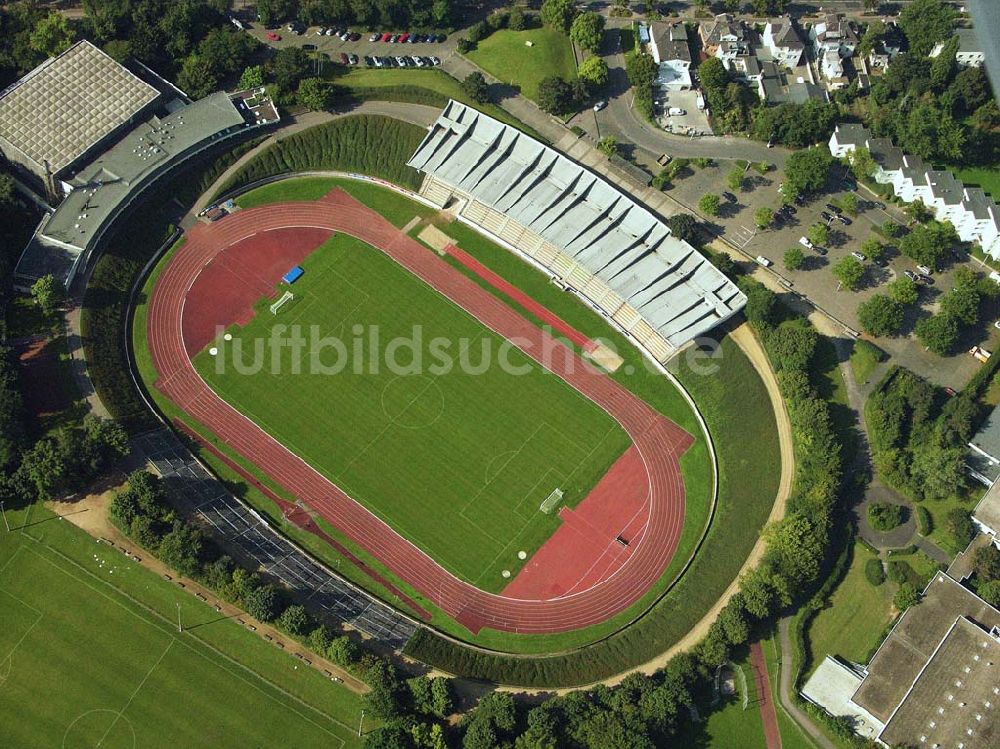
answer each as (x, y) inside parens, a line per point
(658, 441)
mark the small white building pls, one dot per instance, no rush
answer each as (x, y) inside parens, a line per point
(974, 214)
(782, 40)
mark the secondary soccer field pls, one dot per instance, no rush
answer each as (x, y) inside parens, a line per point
(82, 665)
(458, 461)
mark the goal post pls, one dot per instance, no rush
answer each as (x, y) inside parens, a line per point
(551, 501)
(285, 299)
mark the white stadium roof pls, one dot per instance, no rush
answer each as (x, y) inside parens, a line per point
(673, 287)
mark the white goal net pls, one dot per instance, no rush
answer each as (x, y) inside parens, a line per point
(285, 299)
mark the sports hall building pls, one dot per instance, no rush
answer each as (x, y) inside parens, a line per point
(90, 134)
(585, 233)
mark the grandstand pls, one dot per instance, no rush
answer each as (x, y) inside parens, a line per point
(594, 239)
(95, 135)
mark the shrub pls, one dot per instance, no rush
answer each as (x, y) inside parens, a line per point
(874, 572)
(925, 524)
(959, 526)
(884, 516)
(902, 573)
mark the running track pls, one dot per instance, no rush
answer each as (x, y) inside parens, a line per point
(659, 441)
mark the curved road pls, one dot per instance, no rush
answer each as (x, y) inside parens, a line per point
(659, 441)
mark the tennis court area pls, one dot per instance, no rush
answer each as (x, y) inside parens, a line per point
(458, 460)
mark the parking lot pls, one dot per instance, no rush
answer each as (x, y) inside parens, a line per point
(333, 46)
(693, 122)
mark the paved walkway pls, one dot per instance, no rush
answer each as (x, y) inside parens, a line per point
(785, 689)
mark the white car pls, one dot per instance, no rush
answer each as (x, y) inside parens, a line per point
(805, 243)
(924, 269)
(763, 261)
(858, 256)
(600, 105)
(374, 37)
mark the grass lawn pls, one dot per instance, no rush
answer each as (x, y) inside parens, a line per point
(397, 208)
(939, 509)
(505, 55)
(987, 178)
(855, 618)
(430, 87)
(96, 634)
(728, 724)
(865, 357)
(478, 451)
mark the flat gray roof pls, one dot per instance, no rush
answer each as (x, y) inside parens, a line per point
(987, 511)
(913, 641)
(675, 289)
(68, 104)
(108, 182)
(954, 700)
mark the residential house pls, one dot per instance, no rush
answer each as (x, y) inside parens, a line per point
(975, 215)
(782, 40)
(744, 67)
(668, 43)
(777, 87)
(833, 33)
(725, 37)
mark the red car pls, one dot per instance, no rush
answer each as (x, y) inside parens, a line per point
(402, 38)
(343, 58)
(272, 37)
(386, 36)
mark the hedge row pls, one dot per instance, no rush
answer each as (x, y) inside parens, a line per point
(367, 144)
(125, 253)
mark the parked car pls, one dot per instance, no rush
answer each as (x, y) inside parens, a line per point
(761, 260)
(911, 275)
(843, 219)
(369, 60)
(858, 256)
(355, 36)
(344, 59)
(435, 61)
(353, 59)
(833, 208)
(387, 36)
(878, 204)
(600, 105)
(331, 31)
(926, 279)
(826, 216)
(309, 47)
(375, 37)
(806, 243)
(418, 61)
(676, 111)
(402, 39)
(378, 62)
(729, 196)
(273, 37)
(924, 269)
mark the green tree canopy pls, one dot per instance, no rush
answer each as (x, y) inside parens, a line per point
(475, 86)
(903, 290)
(555, 95)
(559, 13)
(849, 271)
(587, 30)
(52, 35)
(880, 315)
(709, 204)
(925, 23)
(314, 94)
(594, 71)
(806, 171)
(794, 258)
(938, 333)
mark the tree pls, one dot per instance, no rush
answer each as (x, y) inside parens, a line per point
(517, 21)
(6, 190)
(850, 204)
(925, 23)
(52, 35)
(713, 74)
(587, 30)
(48, 293)
(818, 234)
(294, 620)
(987, 562)
(806, 171)
(873, 249)
(594, 71)
(608, 146)
(761, 304)
(903, 290)
(252, 77)
(958, 523)
(343, 651)
(642, 70)
(195, 78)
(944, 67)
(763, 217)
(476, 88)
(263, 603)
(683, 226)
(884, 516)
(289, 66)
(928, 244)
(906, 596)
(735, 179)
(938, 333)
(559, 13)
(795, 258)
(849, 271)
(880, 315)
(314, 94)
(555, 95)
(709, 204)
(990, 592)
(963, 300)
(862, 164)
(275, 11)
(791, 345)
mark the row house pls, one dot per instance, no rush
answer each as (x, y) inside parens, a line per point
(974, 214)
(725, 37)
(668, 43)
(782, 40)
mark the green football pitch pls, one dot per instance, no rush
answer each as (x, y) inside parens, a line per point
(457, 460)
(90, 657)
